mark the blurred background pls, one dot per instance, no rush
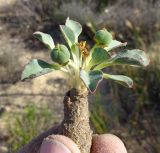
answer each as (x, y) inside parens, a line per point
(28, 108)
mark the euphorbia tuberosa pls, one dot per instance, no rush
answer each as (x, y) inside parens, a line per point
(83, 66)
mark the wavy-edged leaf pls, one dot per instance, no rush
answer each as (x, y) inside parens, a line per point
(99, 55)
(37, 68)
(68, 35)
(75, 27)
(121, 79)
(133, 57)
(91, 79)
(114, 44)
(60, 55)
(103, 37)
(45, 38)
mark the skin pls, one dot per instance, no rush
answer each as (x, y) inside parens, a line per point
(52, 142)
(48, 142)
(105, 143)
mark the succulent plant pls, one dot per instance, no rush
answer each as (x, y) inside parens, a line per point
(84, 65)
(84, 68)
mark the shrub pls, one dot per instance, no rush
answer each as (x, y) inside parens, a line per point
(25, 126)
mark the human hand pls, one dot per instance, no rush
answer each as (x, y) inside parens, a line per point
(105, 143)
(51, 142)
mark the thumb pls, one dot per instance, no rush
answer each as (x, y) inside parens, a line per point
(107, 143)
(58, 144)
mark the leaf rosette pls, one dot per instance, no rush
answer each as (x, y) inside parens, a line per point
(84, 65)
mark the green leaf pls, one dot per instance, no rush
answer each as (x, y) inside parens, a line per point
(68, 35)
(114, 44)
(37, 68)
(60, 54)
(121, 79)
(75, 27)
(99, 55)
(103, 37)
(133, 57)
(91, 79)
(45, 38)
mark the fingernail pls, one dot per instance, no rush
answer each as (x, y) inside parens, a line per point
(53, 146)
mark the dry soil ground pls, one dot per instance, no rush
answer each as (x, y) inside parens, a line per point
(48, 89)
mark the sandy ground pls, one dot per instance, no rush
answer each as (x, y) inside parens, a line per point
(45, 90)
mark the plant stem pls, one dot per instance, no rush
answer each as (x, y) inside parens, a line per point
(76, 119)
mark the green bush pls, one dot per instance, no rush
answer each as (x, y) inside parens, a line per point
(99, 117)
(25, 126)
